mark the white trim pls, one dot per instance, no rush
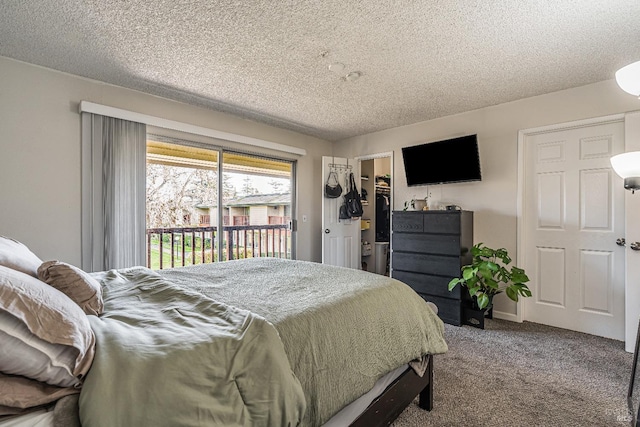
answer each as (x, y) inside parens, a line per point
(520, 197)
(574, 124)
(507, 316)
(388, 154)
(104, 110)
(376, 156)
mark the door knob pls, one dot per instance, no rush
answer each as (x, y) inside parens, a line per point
(621, 241)
(635, 246)
(327, 231)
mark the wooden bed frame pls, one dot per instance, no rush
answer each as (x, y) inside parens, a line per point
(397, 396)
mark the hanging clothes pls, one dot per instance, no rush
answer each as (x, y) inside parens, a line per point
(383, 217)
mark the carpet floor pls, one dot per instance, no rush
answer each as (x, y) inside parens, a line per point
(526, 374)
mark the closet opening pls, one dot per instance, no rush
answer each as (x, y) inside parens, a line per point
(376, 188)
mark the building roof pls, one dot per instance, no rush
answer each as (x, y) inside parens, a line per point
(277, 199)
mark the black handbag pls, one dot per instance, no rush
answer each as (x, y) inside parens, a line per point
(332, 188)
(352, 199)
(343, 213)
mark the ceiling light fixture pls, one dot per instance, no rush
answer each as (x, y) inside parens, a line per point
(628, 78)
(627, 166)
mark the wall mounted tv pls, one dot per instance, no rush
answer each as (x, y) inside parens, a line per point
(440, 162)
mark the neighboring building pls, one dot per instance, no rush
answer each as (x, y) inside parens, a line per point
(256, 209)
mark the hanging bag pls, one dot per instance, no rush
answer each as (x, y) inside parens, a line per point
(343, 213)
(332, 189)
(352, 199)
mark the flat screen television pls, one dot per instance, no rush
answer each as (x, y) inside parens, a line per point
(446, 161)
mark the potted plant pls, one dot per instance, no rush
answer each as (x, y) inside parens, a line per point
(488, 275)
(418, 204)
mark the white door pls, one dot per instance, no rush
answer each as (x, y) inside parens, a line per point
(573, 214)
(340, 237)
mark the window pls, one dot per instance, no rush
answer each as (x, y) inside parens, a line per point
(186, 203)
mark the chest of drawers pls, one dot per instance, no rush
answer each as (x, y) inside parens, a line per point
(428, 250)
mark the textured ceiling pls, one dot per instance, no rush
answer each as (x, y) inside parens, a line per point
(268, 61)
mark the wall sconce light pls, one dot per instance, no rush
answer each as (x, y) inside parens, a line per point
(628, 78)
(627, 166)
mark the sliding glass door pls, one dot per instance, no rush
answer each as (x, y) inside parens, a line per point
(257, 219)
(189, 202)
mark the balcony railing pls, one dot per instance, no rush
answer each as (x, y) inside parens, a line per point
(279, 219)
(174, 247)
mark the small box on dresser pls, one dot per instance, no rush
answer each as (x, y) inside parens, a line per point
(428, 250)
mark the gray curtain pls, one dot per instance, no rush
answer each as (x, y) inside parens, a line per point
(113, 193)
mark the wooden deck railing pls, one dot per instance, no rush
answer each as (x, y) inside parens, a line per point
(197, 245)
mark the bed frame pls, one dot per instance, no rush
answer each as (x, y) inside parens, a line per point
(397, 396)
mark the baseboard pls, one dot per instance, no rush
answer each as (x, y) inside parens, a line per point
(506, 316)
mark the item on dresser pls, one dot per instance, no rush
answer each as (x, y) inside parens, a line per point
(429, 249)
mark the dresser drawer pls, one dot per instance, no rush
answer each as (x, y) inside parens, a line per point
(442, 222)
(439, 244)
(429, 264)
(449, 310)
(408, 222)
(428, 284)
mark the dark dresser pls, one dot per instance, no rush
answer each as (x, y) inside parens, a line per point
(428, 249)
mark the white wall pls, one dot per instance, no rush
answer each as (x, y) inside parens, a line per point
(494, 200)
(258, 215)
(40, 155)
(382, 166)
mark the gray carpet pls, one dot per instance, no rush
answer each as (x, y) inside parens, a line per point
(526, 374)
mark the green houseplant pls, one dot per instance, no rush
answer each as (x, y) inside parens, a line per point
(488, 275)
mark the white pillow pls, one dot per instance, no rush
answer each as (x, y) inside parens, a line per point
(23, 353)
(17, 256)
(51, 317)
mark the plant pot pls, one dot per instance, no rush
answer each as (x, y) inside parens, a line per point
(472, 315)
(474, 303)
(419, 204)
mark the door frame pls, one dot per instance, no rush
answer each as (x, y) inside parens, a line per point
(384, 155)
(522, 196)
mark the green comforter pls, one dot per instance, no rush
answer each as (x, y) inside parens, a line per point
(342, 329)
(169, 356)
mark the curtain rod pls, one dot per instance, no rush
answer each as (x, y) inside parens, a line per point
(118, 113)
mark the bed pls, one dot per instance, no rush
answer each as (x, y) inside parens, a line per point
(248, 342)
